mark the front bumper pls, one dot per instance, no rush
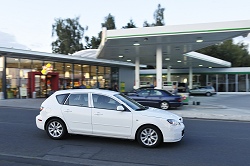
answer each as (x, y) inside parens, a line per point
(174, 134)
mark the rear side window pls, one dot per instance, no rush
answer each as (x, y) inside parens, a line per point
(61, 98)
(80, 100)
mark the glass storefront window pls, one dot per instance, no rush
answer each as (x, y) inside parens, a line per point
(202, 79)
(12, 77)
(25, 64)
(68, 76)
(196, 80)
(242, 83)
(1, 73)
(101, 80)
(77, 75)
(86, 76)
(248, 82)
(221, 83)
(231, 82)
(107, 83)
(212, 81)
(114, 76)
(93, 76)
(37, 65)
(25, 67)
(59, 68)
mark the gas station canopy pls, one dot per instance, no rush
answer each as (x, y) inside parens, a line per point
(175, 41)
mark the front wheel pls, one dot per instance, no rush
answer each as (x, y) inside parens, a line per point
(56, 129)
(164, 105)
(149, 136)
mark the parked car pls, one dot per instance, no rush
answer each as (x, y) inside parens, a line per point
(107, 113)
(158, 98)
(134, 91)
(203, 90)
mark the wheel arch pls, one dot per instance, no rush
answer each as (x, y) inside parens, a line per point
(147, 124)
(54, 117)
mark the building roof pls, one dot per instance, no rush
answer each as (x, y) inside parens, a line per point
(176, 41)
(18, 53)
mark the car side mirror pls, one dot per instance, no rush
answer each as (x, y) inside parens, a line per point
(120, 108)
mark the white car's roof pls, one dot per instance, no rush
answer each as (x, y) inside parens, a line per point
(99, 91)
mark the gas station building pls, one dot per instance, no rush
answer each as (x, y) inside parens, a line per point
(123, 58)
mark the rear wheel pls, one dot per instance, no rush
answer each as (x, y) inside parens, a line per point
(56, 129)
(208, 94)
(164, 105)
(149, 136)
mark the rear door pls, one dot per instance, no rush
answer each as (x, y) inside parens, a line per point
(143, 97)
(202, 90)
(77, 113)
(155, 97)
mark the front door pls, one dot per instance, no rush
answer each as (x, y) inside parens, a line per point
(107, 121)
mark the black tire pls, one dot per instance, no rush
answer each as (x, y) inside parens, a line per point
(164, 105)
(208, 94)
(56, 129)
(149, 136)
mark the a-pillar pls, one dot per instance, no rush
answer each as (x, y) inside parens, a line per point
(159, 68)
(137, 73)
(190, 78)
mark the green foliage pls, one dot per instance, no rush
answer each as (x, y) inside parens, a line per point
(158, 16)
(146, 24)
(237, 54)
(69, 35)
(109, 22)
(129, 25)
(94, 43)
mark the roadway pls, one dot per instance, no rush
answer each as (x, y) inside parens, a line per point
(206, 142)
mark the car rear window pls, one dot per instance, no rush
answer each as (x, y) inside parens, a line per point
(61, 98)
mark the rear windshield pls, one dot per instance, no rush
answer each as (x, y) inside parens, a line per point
(61, 98)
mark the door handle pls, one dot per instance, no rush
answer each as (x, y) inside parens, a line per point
(98, 113)
(67, 110)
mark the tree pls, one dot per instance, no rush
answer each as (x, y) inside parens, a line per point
(129, 25)
(69, 34)
(158, 16)
(94, 43)
(146, 24)
(237, 54)
(109, 22)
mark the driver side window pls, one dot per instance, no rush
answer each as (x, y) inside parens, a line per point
(144, 93)
(104, 102)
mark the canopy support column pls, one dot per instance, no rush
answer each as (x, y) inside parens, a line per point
(137, 73)
(190, 77)
(159, 67)
(169, 74)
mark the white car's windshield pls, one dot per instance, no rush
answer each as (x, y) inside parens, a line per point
(131, 103)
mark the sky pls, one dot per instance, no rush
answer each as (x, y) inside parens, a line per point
(27, 24)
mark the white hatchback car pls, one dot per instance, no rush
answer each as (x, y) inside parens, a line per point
(107, 113)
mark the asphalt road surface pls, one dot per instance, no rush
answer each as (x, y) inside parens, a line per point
(206, 143)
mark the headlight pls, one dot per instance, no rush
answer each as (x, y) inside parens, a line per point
(173, 122)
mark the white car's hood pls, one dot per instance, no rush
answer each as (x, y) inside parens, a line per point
(159, 113)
